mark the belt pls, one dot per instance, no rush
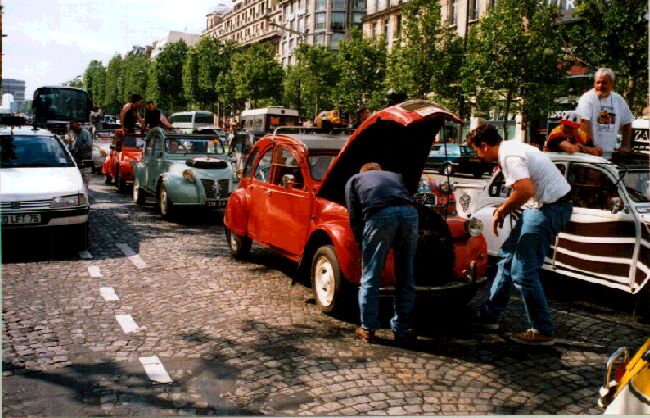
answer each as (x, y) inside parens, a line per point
(565, 198)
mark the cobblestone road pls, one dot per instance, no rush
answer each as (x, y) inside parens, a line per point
(241, 338)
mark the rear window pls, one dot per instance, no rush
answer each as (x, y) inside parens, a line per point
(204, 118)
(181, 118)
(33, 151)
(318, 165)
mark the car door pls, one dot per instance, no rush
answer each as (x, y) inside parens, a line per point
(288, 203)
(152, 170)
(598, 244)
(258, 191)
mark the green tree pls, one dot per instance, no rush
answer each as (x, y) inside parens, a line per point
(256, 75)
(114, 86)
(94, 81)
(169, 75)
(204, 64)
(361, 66)
(614, 34)
(318, 75)
(134, 74)
(514, 58)
(151, 91)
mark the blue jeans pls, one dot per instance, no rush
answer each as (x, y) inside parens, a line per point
(520, 259)
(396, 227)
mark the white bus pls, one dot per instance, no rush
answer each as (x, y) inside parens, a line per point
(264, 120)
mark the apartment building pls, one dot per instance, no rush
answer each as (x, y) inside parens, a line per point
(286, 23)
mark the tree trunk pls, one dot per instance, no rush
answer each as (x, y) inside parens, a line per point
(506, 113)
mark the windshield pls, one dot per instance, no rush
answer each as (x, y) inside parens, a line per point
(319, 164)
(207, 145)
(636, 184)
(33, 151)
(52, 103)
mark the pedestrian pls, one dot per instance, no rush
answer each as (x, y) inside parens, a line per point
(240, 143)
(130, 115)
(154, 118)
(568, 137)
(81, 146)
(603, 112)
(539, 186)
(383, 216)
(95, 120)
(362, 115)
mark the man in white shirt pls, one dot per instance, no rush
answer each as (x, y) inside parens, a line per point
(603, 112)
(539, 186)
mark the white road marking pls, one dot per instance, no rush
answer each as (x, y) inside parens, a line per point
(108, 293)
(127, 323)
(85, 255)
(94, 271)
(155, 369)
(135, 259)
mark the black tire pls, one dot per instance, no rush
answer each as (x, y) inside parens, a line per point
(327, 280)
(80, 236)
(165, 205)
(122, 186)
(642, 305)
(108, 179)
(478, 174)
(240, 246)
(139, 195)
(448, 169)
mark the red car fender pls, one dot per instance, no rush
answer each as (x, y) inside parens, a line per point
(347, 251)
(466, 251)
(107, 164)
(236, 216)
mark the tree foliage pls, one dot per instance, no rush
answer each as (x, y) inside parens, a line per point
(114, 86)
(94, 81)
(256, 75)
(135, 75)
(614, 34)
(205, 62)
(169, 75)
(317, 73)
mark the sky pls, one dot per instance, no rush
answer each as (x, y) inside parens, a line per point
(52, 41)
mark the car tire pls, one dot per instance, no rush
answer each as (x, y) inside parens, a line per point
(239, 245)
(448, 170)
(108, 179)
(165, 206)
(478, 174)
(139, 195)
(121, 185)
(642, 305)
(327, 280)
(80, 237)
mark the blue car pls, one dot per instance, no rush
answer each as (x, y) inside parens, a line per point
(450, 159)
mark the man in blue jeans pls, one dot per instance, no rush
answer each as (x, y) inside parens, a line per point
(383, 216)
(542, 190)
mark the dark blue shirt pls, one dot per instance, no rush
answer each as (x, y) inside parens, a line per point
(370, 191)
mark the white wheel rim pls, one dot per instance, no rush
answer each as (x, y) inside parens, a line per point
(324, 279)
(234, 244)
(135, 191)
(163, 201)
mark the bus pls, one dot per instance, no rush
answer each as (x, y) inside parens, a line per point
(264, 120)
(55, 106)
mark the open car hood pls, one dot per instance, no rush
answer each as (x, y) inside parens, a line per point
(399, 138)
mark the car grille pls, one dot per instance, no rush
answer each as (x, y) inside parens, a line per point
(25, 205)
(220, 191)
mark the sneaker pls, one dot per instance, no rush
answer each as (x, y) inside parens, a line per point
(407, 340)
(532, 337)
(364, 334)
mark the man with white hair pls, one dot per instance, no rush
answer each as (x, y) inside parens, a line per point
(603, 112)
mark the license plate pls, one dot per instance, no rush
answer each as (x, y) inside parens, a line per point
(216, 203)
(21, 219)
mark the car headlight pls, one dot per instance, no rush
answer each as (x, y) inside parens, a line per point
(188, 176)
(69, 201)
(474, 227)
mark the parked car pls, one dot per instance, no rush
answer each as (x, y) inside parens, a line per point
(186, 122)
(111, 122)
(41, 185)
(626, 389)
(291, 200)
(183, 170)
(126, 151)
(607, 240)
(213, 130)
(450, 159)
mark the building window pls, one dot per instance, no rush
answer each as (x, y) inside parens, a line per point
(356, 18)
(319, 39)
(320, 21)
(338, 21)
(493, 4)
(373, 31)
(359, 5)
(321, 5)
(386, 26)
(453, 12)
(473, 9)
(377, 5)
(336, 38)
(338, 4)
(398, 26)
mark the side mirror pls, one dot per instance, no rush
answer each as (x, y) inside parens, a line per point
(288, 180)
(616, 205)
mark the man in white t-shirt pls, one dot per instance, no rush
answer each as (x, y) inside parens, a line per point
(542, 190)
(603, 112)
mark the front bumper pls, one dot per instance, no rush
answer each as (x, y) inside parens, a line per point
(469, 283)
(52, 217)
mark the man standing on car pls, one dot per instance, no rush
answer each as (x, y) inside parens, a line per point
(603, 112)
(130, 115)
(154, 118)
(383, 216)
(538, 184)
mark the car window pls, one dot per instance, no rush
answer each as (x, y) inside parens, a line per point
(319, 164)
(636, 184)
(204, 118)
(157, 145)
(467, 151)
(286, 163)
(181, 119)
(435, 148)
(188, 145)
(591, 188)
(33, 151)
(263, 168)
(249, 163)
(148, 150)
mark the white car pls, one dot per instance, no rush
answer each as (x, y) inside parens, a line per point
(40, 185)
(187, 122)
(607, 240)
